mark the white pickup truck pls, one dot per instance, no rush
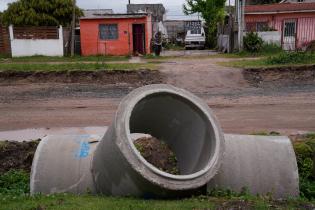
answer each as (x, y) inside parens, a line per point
(195, 36)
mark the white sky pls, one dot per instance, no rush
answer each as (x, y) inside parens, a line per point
(173, 7)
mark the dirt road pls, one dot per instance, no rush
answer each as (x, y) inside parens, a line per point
(239, 106)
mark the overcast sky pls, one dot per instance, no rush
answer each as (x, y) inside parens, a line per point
(173, 7)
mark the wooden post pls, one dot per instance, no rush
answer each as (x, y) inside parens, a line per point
(73, 29)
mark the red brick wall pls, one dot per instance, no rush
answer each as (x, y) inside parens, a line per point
(92, 45)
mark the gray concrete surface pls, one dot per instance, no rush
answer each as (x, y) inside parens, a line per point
(262, 164)
(62, 164)
(170, 114)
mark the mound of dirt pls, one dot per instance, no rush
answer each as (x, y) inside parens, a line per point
(17, 155)
(137, 78)
(158, 154)
(279, 76)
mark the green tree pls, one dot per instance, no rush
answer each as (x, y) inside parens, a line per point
(212, 11)
(40, 13)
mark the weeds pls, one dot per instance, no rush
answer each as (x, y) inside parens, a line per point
(305, 153)
(14, 182)
(290, 58)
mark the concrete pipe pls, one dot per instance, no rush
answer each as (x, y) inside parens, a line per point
(170, 114)
(63, 164)
(263, 164)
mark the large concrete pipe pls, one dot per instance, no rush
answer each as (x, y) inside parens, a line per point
(262, 164)
(112, 165)
(173, 115)
(63, 164)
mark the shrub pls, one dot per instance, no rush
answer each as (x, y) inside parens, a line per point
(252, 42)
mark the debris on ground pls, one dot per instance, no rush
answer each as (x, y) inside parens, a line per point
(158, 153)
(17, 155)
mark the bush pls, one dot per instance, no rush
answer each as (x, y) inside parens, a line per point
(290, 57)
(252, 42)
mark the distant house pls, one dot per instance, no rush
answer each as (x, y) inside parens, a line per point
(116, 34)
(157, 12)
(293, 23)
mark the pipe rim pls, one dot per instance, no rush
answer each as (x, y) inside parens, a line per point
(133, 156)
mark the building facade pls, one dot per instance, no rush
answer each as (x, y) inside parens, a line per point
(116, 34)
(294, 21)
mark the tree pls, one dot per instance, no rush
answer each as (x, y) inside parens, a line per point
(212, 11)
(40, 13)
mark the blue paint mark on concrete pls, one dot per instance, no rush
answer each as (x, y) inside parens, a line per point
(84, 148)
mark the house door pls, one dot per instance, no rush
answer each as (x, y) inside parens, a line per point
(289, 35)
(138, 39)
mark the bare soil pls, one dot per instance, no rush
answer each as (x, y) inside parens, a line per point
(158, 154)
(137, 78)
(279, 76)
(17, 155)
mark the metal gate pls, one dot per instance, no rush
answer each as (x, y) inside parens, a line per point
(289, 35)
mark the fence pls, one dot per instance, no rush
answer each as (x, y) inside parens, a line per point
(30, 41)
(5, 47)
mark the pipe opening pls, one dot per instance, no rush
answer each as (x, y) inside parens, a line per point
(181, 124)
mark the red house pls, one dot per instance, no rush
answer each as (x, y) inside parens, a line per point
(294, 21)
(116, 34)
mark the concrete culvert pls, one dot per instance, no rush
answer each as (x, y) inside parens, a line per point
(262, 164)
(62, 164)
(182, 121)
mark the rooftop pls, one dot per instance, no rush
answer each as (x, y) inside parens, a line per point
(96, 12)
(116, 16)
(280, 8)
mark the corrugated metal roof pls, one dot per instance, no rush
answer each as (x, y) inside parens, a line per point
(280, 8)
(116, 16)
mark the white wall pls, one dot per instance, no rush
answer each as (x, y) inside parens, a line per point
(30, 47)
(271, 37)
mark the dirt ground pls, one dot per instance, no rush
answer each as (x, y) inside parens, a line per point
(158, 154)
(240, 106)
(17, 155)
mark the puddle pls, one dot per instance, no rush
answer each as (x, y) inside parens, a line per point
(38, 133)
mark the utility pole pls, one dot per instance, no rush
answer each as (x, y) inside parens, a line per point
(73, 29)
(240, 20)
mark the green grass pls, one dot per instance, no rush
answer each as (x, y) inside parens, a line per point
(75, 66)
(279, 60)
(44, 59)
(89, 202)
(14, 183)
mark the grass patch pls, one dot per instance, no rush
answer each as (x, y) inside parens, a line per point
(76, 66)
(282, 59)
(83, 202)
(44, 59)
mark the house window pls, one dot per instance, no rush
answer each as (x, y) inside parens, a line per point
(261, 26)
(300, 0)
(108, 31)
